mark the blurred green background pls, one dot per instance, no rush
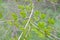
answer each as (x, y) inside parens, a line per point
(14, 16)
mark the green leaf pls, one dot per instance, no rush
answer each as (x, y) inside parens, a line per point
(22, 28)
(21, 7)
(41, 35)
(47, 32)
(36, 18)
(14, 16)
(23, 14)
(16, 23)
(24, 22)
(36, 13)
(42, 16)
(28, 8)
(51, 21)
(41, 24)
(49, 28)
(1, 15)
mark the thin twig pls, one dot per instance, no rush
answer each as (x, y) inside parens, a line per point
(26, 23)
(55, 36)
(28, 31)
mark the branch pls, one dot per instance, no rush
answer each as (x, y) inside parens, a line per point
(43, 32)
(29, 29)
(26, 23)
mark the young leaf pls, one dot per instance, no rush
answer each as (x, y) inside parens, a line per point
(1, 15)
(42, 16)
(21, 28)
(41, 35)
(16, 23)
(14, 16)
(36, 13)
(28, 8)
(23, 14)
(21, 7)
(51, 21)
(47, 32)
(41, 24)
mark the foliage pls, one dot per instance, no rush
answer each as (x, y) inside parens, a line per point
(28, 23)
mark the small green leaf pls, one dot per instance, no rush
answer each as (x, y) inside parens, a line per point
(36, 18)
(16, 24)
(28, 8)
(42, 16)
(1, 15)
(51, 21)
(41, 24)
(22, 28)
(23, 14)
(41, 35)
(47, 32)
(14, 16)
(36, 13)
(21, 7)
